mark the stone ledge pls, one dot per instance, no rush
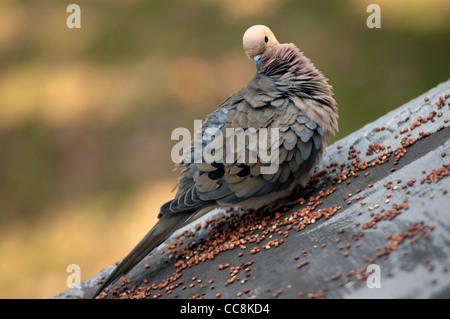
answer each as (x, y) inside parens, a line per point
(383, 201)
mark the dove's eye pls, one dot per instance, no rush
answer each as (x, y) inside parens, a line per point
(266, 39)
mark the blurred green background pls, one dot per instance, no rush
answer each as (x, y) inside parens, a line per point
(86, 114)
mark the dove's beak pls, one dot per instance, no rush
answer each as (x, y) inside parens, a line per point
(257, 59)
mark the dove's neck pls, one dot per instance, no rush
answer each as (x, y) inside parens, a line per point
(284, 59)
(288, 66)
(292, 72)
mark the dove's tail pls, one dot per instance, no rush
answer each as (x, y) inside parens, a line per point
(166, 225)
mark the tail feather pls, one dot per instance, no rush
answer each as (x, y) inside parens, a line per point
(167, 224)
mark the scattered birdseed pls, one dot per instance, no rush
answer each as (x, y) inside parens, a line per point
(259, 230)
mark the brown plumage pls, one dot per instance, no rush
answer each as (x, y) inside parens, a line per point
(287, 94)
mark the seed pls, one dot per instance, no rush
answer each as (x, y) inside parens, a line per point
(302, 264)
(218, 295)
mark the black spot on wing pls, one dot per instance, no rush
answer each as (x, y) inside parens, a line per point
(217, 165)
(217, 174)
(244, 172)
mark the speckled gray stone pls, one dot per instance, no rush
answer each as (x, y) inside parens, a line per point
(417, 268)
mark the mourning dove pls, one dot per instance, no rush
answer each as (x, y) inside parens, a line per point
(287, 95)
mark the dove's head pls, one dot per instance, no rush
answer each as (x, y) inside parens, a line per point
(259, 42)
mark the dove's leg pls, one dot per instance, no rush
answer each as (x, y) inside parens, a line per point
(292, 200)
(297, 196)
(316, 177)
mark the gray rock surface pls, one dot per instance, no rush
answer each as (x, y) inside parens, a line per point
(387, 205)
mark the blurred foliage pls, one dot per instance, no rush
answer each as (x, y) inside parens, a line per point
(86, 114)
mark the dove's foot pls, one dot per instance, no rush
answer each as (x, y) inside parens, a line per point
(296, 198)
(316, 177)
